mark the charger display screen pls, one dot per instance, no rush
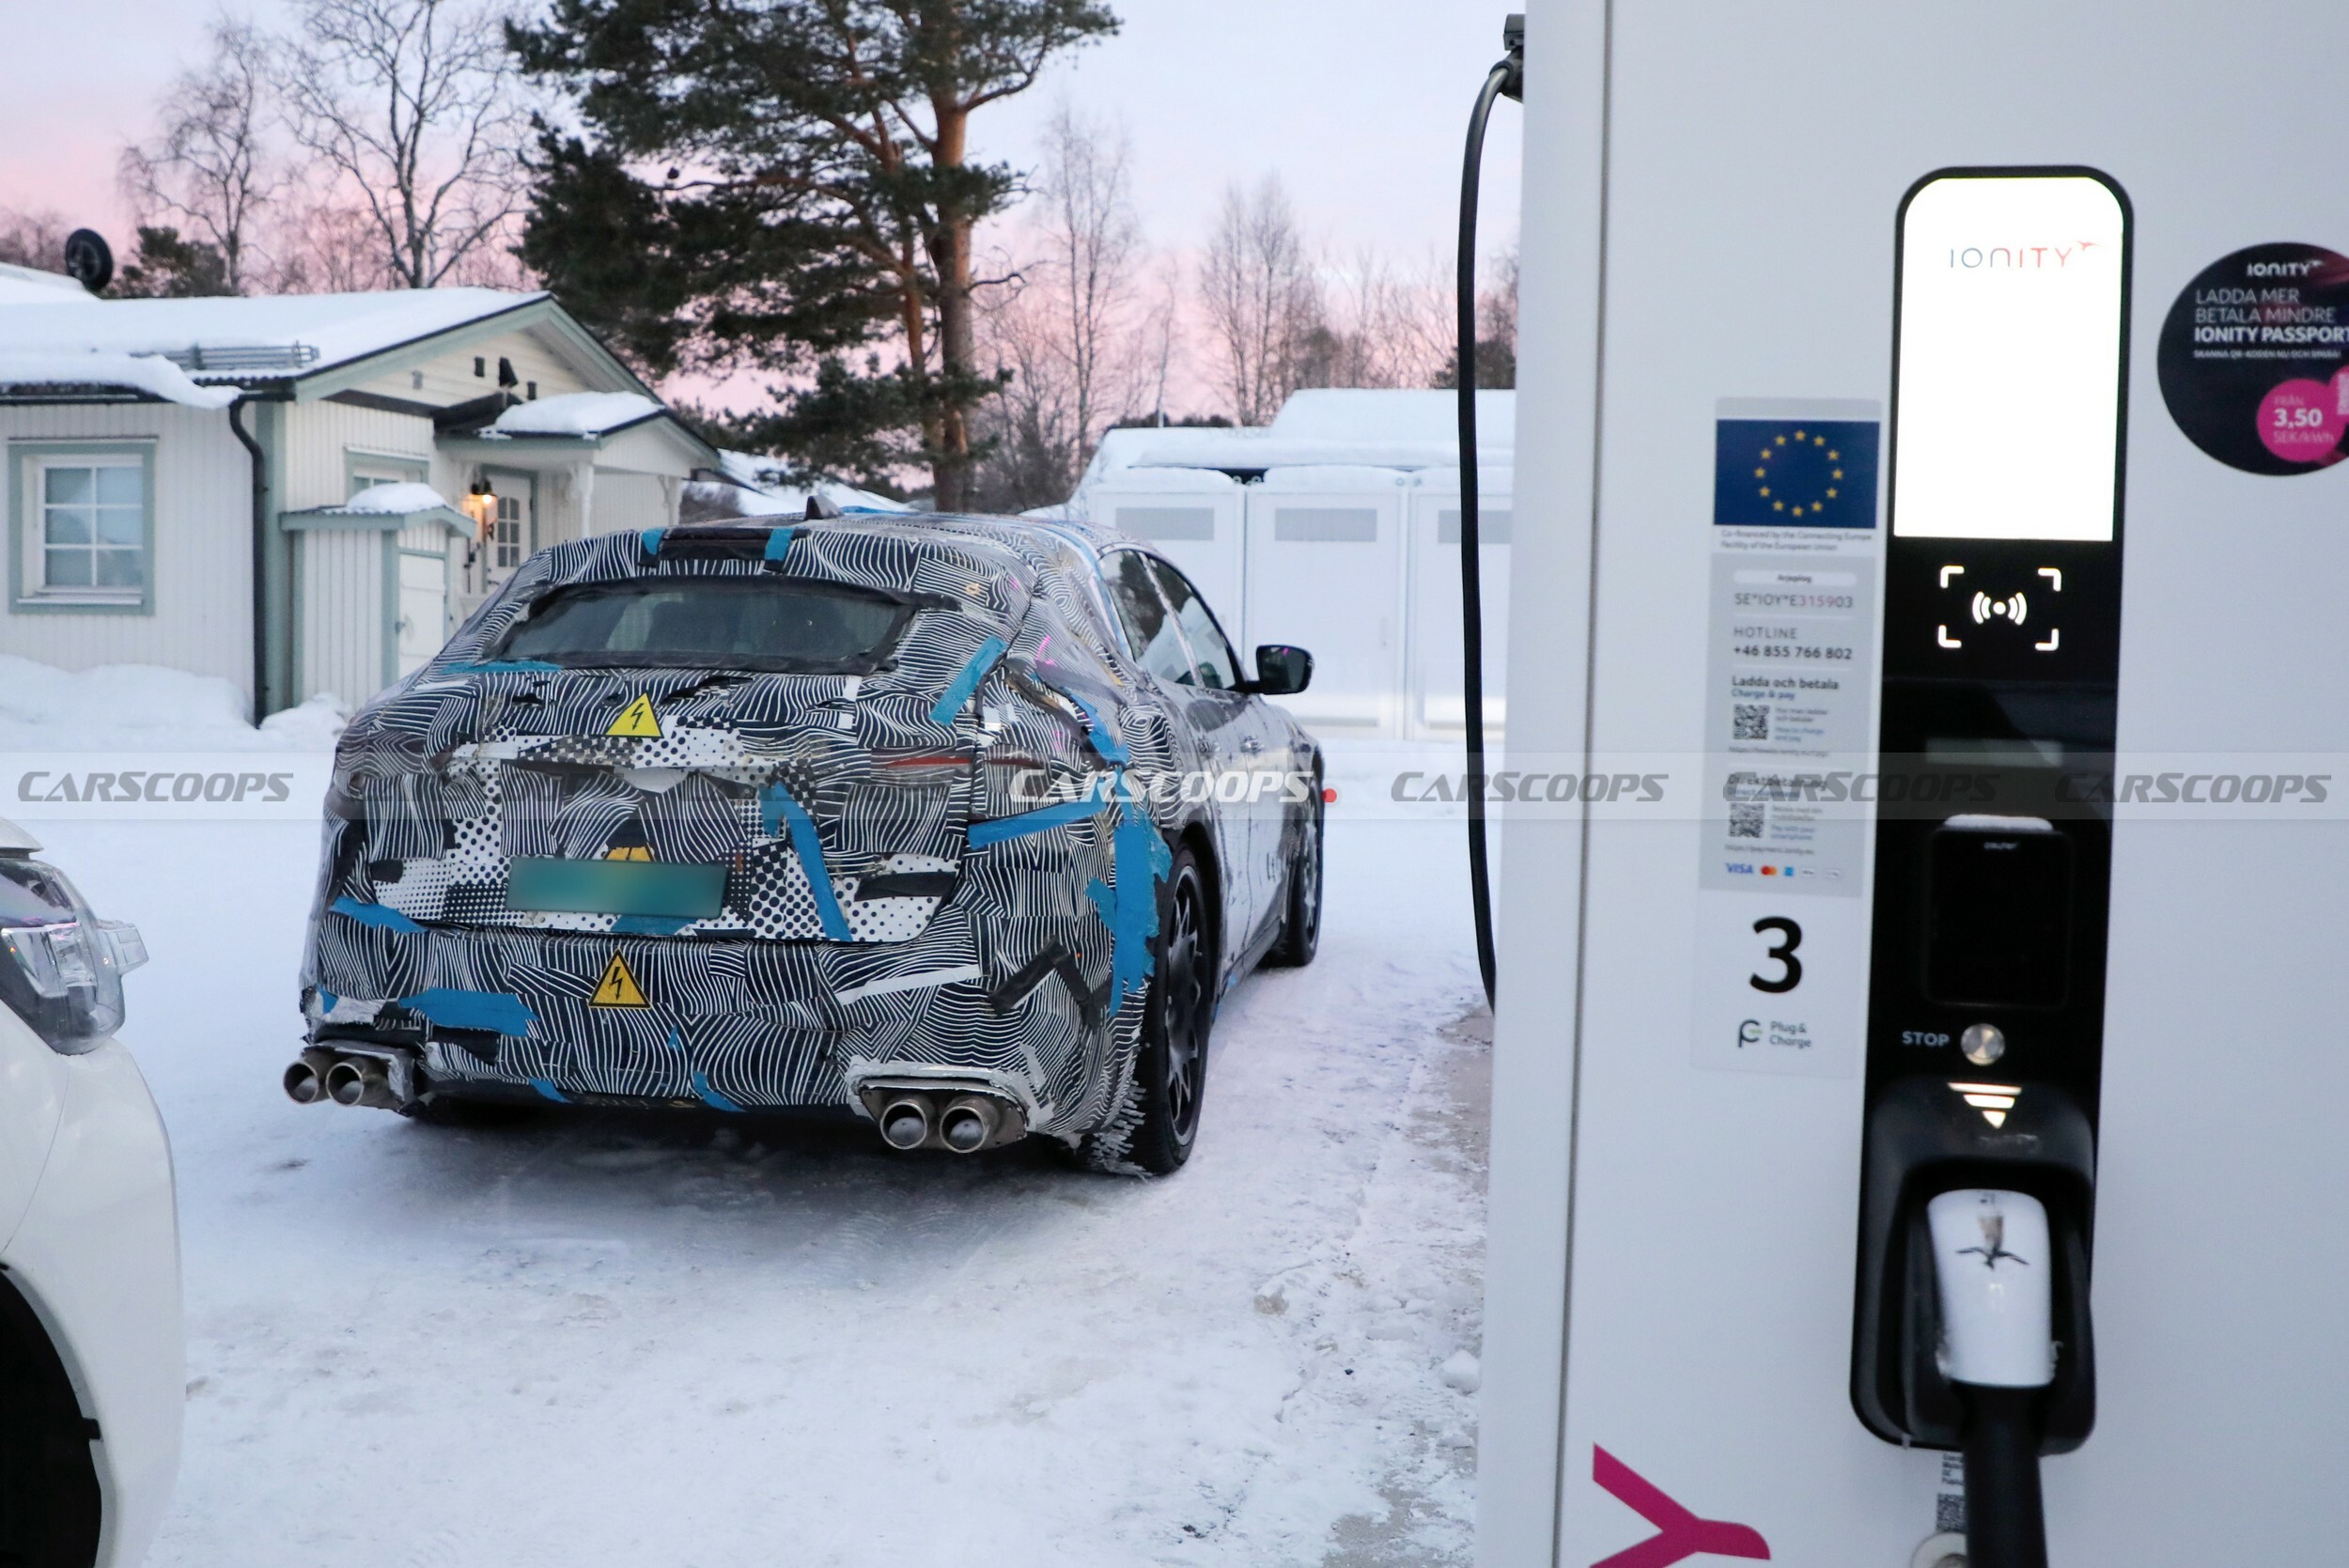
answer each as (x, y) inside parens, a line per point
(2010, 354)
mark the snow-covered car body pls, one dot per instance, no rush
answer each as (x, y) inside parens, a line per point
(684, 880)
(93, 1380)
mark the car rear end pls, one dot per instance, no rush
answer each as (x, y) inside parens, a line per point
(686, 819)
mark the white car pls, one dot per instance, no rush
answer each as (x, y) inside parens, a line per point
(92, 1359)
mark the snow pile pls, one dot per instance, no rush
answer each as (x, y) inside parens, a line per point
(399, 500)
(31, 285)
(149, 373)
(114, 707)
(755, 487)
(575, 413)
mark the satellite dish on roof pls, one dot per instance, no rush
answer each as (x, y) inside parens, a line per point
(88, 260)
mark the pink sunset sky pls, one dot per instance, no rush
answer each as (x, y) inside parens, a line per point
(1359, 105)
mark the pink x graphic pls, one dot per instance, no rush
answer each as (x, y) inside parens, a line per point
(1678, 1533)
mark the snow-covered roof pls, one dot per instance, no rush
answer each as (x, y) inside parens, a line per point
(1403, 415)
(410, 496)
(31, 285)
(156, 377)
(576, 414)
(382, 506)
(1352, 428)
(238, 337)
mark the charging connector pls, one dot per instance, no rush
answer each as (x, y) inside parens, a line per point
(1994, 1266)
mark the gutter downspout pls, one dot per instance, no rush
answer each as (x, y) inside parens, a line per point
(260, 557)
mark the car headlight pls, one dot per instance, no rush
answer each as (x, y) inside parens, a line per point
(61, 967)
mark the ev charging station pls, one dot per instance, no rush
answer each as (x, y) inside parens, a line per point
(1927, 1121)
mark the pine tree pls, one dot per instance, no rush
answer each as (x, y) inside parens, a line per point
(785, 185)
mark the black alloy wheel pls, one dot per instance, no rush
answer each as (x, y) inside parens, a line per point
(1173, 1066)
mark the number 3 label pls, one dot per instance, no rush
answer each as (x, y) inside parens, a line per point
(1790, 968)
(1778, 992)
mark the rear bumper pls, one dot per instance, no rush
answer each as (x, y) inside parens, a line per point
(727, 1025)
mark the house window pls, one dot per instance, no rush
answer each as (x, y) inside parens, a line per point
(93, 518)
(82, 532)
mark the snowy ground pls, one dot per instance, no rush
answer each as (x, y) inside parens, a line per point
(705, 1342)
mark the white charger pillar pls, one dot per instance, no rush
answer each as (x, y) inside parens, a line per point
(1708, 1003)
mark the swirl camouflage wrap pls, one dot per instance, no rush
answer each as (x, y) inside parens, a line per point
(753, 883)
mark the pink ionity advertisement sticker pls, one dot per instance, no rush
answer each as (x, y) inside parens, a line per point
(2254, 359)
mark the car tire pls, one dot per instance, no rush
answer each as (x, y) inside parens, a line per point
(1157, 1127)
(1301, 922)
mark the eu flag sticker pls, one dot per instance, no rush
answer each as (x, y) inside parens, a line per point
(1791, 472)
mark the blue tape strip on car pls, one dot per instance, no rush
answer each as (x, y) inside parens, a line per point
(959, 690)
(547, 1088)
(1105, 740)
(1140, 861)
(373, 914)
(651, 539)
(774, 803)
(981, 834)
(502, 1011)
(506, 667)
(779, 544)
(710, 1096)
(648, 925)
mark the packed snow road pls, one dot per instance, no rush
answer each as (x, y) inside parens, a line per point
(700, 1341)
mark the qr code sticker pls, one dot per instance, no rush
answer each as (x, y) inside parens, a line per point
(1949, 1514)
(1750, 721)
(1745, 821)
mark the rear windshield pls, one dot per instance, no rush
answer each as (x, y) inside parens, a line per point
(741, 623)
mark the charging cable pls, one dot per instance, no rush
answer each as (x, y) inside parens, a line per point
(1506, 80)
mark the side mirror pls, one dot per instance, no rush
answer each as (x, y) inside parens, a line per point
(1281, 671)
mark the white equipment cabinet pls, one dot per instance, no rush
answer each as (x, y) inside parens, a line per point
(1196, 519)
(1435, 711)
(1326, 572)
(1712, 208)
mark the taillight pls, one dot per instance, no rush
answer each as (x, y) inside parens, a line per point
(61, 967)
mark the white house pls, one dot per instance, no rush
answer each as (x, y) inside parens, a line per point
(186, 479)
(1335, 528)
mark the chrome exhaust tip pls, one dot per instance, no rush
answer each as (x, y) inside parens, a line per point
(969, 1122)
(346, 1083)
(361, 1081)
(303, 1084)
(905, 1122)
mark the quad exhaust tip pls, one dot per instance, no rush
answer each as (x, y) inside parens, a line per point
(905, 1122)
(961, 1118)
(969, 1122)
(303, 1084)
(319, 1075)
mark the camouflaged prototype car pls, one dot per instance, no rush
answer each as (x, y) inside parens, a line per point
(957, 824)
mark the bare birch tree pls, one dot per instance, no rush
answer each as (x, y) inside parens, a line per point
(1094, 239)
(209, 171)
(415, 108)
(1262, 301)
(1069, 322)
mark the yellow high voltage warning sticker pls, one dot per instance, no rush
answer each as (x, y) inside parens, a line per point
(617, 989)
(637, 720)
